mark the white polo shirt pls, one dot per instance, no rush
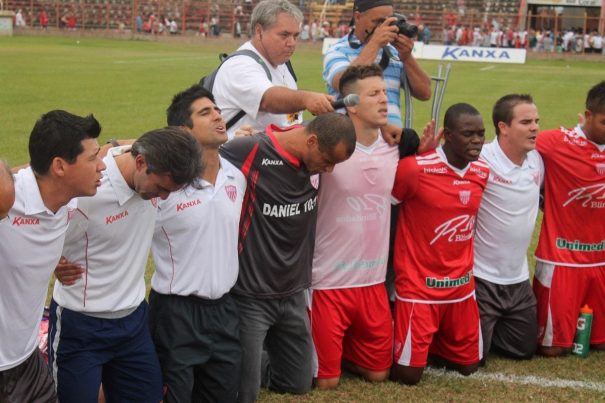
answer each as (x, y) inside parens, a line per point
(30, 248)
(109, 235)
(507, 216)
(196, 236)
(240, 85)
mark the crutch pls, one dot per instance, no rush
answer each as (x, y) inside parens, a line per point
(440, 85)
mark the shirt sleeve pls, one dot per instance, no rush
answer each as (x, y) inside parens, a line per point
(335, 62)
(406, 179)
(241, 83)
(240, 150)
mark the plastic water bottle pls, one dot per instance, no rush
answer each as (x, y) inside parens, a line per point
(581, 343)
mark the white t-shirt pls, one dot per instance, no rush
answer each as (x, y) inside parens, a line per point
(30, 249)
(352, 235)
(196, 236)
(240, 84)
(507, 216)
(109, 235)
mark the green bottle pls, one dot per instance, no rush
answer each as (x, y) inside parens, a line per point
(581, 343)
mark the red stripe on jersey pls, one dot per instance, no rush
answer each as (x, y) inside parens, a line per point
(86, 273)
(272, 128)
(249, 160)
(247, 209)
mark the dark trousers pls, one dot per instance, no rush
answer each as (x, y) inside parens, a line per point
(197, 342)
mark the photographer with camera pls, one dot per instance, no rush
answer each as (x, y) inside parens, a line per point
(382, 37)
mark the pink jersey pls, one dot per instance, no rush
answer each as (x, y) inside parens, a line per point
(436, 227)
(573, 229)
(352, 236)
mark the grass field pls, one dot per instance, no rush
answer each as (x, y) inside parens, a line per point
(129, 84)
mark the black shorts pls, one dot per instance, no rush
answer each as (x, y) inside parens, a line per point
(30, 381)
(509, 324)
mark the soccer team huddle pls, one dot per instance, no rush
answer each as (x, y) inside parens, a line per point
(286, 252)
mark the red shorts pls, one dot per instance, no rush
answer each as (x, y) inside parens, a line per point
(354, 324)
(450, 330)
(561, 292)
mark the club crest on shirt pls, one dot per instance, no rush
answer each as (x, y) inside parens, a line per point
(464, 196)
(314, 181)
(536, 177)
(371, 175)
(600, 167)
(231, 191)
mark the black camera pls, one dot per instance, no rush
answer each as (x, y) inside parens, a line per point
(404, 27)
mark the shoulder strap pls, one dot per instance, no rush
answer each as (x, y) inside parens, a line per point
(291, 70)
(224, 57)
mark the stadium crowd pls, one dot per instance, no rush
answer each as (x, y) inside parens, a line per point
(271, 237)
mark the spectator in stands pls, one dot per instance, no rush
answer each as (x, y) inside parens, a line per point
(64, 162)
(139, 23)
(374, 39)
(20, 19)
(173, 27)
(43, 19)
(242, 84)
(71, 21)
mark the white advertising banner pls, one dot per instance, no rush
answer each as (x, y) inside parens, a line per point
(471, 54)
(564, 3)
(458, 53)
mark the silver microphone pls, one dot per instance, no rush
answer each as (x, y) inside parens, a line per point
(349, 100)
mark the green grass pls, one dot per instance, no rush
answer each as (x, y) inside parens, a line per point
(129, 84)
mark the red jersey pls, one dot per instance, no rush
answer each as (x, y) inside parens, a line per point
(573, 228)
(436, 227)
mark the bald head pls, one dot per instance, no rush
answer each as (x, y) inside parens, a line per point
(7, 189)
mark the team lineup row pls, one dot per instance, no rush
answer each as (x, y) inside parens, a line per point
(241, 230)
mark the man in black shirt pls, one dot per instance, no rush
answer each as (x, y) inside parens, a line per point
(277, 231)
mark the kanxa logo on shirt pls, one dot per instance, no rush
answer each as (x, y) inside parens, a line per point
(186, 205)
(267, 161)
(18, 221)
(110, 219)
(500, 179)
